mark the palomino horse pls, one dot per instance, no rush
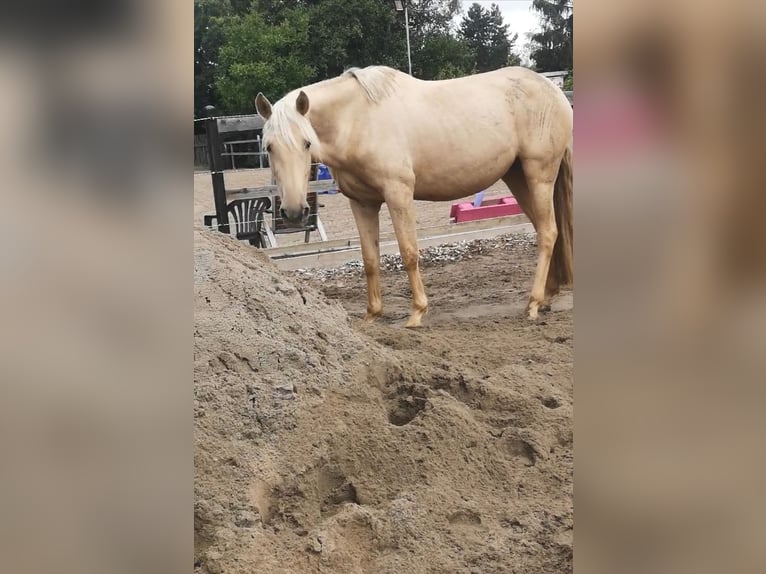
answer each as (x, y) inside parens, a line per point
(388, 137)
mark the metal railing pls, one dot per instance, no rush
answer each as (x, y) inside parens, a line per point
(263, 158)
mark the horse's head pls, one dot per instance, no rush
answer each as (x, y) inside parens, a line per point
(290, 141)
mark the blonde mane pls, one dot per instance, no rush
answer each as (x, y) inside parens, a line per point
(378, 82)
(285, 117)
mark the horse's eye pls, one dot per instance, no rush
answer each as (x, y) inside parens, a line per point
(307, 144)
(268, 148)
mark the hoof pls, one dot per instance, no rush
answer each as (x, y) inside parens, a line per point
(415, 319)
(372, 315)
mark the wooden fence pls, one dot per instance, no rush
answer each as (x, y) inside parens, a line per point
(239, 153)
(201, 159)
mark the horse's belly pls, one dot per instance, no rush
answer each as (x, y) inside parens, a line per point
(444, 194)
(452, 166)
(458, 182)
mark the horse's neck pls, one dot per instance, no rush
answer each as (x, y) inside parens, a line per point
(330, 103)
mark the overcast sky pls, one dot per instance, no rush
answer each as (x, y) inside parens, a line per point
(517, 14)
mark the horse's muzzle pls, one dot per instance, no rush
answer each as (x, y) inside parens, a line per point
(294, 215)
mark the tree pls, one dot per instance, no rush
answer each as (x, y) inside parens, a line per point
(273, 11)
(552, 46)
(261, 57)
(208, 39)
(486, 37)
(442, 56)
(240, 6)
(436, 53)
(346, 33)
(245, 46)
(432, 17)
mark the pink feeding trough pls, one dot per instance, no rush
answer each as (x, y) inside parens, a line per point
(486, 209)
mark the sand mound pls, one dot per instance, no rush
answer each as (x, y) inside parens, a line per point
(324, 445)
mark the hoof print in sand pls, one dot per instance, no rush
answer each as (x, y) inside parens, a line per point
(550, 402)
(335, 490)
(406, 405)
(466, 517)
(520, 449)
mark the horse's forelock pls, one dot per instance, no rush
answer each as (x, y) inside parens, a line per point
(285, 117)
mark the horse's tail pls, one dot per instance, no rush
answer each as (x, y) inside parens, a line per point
(562, 262)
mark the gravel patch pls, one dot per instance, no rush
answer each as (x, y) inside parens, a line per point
(429, 256)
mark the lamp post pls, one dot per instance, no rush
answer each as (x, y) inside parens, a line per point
(401, 6)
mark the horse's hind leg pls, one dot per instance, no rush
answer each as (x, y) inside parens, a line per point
(367, 220)
(532, 183)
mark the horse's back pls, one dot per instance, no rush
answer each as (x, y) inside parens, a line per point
(464, 134)
(514, 80)
(518, 92)
(511, 100)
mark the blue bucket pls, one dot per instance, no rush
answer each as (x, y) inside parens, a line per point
(323, 172)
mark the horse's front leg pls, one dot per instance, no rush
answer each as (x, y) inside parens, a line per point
(401, 206)
(367, 220)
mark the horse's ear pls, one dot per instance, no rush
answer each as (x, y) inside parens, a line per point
(302, 103)
(263, 106)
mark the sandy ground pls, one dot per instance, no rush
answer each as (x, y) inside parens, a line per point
(329, 445)
(336, 213)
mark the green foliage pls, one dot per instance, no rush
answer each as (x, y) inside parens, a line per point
(569, 82)
(242, 47)
(486, 37)
(430, 18)
(437, 53)
(259, 57)
(552, 46)
(348, 33)
(240, 6)
(442, 56)
(208, 38)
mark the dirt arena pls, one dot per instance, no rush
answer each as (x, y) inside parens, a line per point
(329, 445)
